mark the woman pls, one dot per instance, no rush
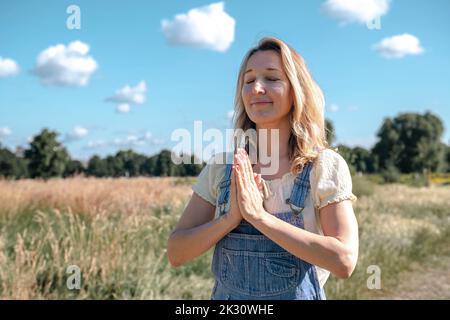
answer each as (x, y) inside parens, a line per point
(276, 236)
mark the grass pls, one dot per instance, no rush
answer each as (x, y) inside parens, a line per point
(115, 231)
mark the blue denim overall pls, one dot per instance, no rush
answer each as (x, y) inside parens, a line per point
(247, 265)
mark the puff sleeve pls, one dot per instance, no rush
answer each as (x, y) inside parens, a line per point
(330, 179)
(209, 178)
(203, 185)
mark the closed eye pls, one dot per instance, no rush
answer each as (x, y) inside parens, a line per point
(270, 79)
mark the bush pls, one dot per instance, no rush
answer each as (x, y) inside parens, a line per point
(390, 175)
(415, 180)
(375, 178)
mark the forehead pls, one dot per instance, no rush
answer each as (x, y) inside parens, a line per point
(264, 60)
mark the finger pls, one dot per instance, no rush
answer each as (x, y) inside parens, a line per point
(238, 179)
(247, 164)
(242, 170)
(259, 181)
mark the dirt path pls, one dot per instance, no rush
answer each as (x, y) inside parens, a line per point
(429, 281)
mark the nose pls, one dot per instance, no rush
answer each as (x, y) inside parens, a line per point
(258, 88)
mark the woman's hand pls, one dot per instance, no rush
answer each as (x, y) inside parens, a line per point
(234, 214)
(249, 187)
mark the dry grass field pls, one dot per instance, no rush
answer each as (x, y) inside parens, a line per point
(115, 231)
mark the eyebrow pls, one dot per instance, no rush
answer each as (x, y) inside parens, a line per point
(269, 69)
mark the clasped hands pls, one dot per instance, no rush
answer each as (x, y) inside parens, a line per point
(246, 190)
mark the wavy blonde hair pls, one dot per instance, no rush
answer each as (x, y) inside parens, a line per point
(306, 117)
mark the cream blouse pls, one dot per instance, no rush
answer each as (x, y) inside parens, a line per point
(330, 182)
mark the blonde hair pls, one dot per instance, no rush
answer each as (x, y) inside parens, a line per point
(306, 117)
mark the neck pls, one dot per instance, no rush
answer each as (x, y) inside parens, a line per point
(275, 139)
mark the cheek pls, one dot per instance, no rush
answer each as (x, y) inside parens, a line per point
(280, 93)
(245, 91)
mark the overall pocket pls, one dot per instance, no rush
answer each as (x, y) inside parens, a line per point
(258, 273)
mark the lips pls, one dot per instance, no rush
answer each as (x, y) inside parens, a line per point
(261, 102)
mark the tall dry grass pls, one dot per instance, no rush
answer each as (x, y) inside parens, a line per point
(115, 231)
(92, 195)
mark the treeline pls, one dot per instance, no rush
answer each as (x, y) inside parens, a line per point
(408, 143)
(46, 158)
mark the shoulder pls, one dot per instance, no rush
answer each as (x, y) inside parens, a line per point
(330, 178)
(329, 157)
(329, 161)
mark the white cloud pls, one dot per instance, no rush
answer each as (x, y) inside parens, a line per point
(135, 140)
(230, 114)
(77, 134)
(361, 11)
(123, 108)
(334, 108)
(130, 141)
(129, 95)
(65, 66)
(399, 46)
(5, 132)
(95, 144)
(8, 68)
(205, 27)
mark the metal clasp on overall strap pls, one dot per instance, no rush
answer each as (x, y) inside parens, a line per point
(296, 210)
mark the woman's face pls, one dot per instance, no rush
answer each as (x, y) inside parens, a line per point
(266, 90)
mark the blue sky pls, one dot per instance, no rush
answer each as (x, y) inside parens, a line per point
(178, 75)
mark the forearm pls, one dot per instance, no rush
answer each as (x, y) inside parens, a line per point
(323, 251)
(187, 244)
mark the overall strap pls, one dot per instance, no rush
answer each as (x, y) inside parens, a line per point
(300, 190)
(224, 189)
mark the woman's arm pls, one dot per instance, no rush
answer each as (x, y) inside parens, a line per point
(197, 232)
(336, 250)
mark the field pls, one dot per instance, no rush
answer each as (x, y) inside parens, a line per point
(115, 232)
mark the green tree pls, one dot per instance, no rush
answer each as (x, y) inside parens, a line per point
(164, 164)
(12, 165)
(97, 167)
(149, 166)
(347, 153)
(131, 162)
(330, 133)
(115, 166)
(193, 168)
(46, 156)
(73, 167)
(363, 160)
(411, 143)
